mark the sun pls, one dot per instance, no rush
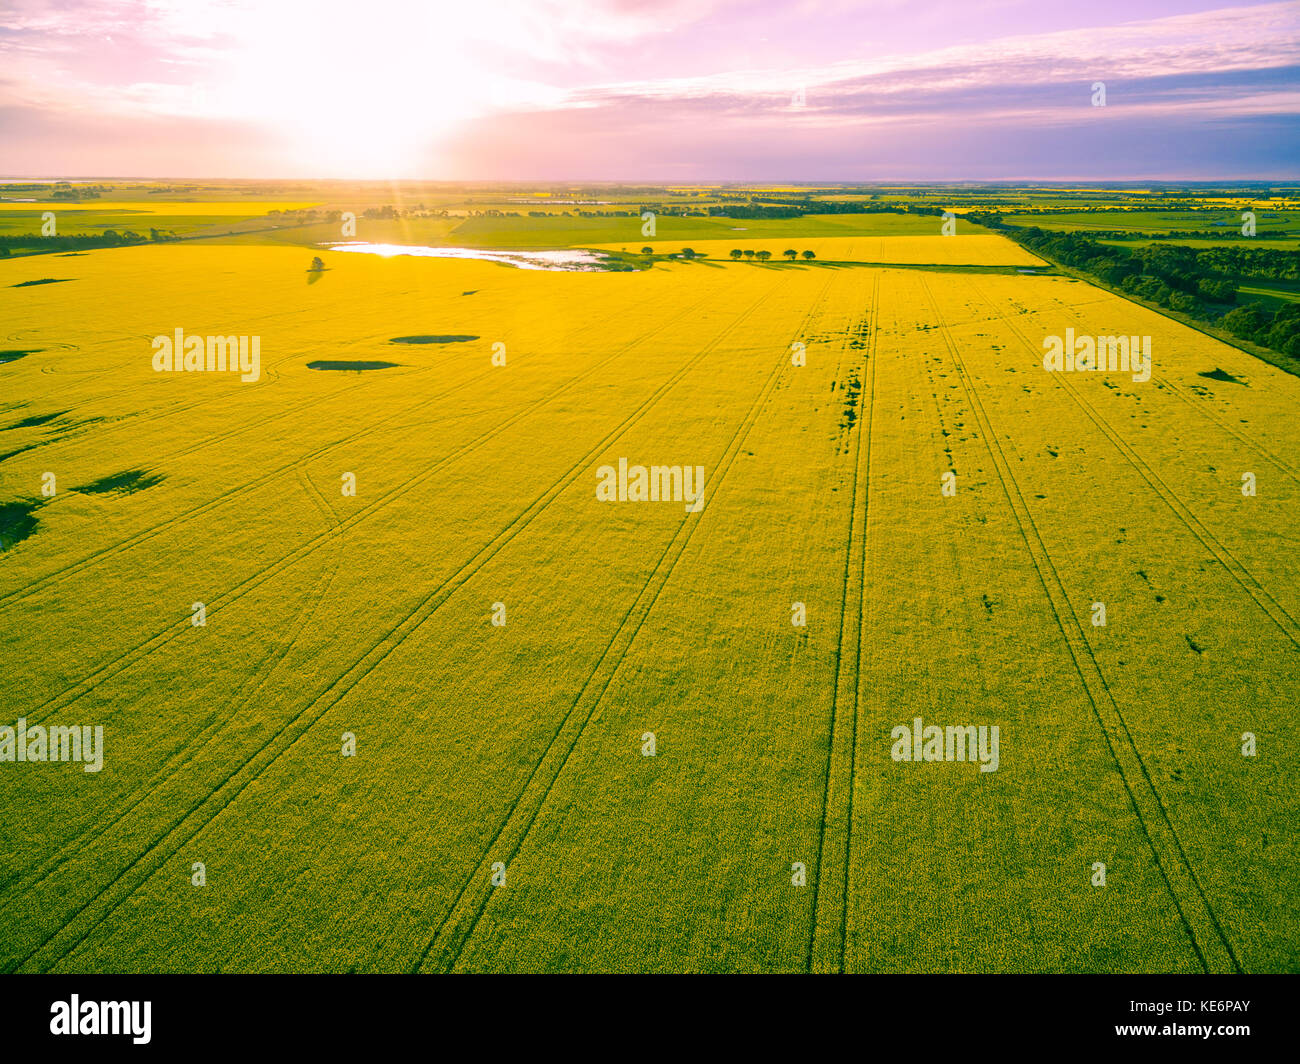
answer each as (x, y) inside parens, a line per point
(368, 97)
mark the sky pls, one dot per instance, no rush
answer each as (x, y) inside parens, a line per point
(651, 90)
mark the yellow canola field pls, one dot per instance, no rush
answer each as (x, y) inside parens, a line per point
(370, 613)
(972, 250)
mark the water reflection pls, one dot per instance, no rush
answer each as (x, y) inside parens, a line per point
(578, 259)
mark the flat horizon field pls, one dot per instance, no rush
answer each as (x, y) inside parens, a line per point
(473, 716)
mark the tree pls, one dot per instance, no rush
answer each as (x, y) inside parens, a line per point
(647, 250)
(688, 253)
(736, 253)
(1285, 335)
(749, 253)
(1116, 272)
(809, 256)
(317, 265)
(1248, 322)
(790, 254)
(1217, 291)
(763, 256)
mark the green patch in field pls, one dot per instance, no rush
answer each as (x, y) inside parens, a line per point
(43, 280)
(1273, 295)
(14, 354)
(354, 366)
(447, 338)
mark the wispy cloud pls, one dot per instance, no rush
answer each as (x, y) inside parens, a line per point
(517, 88)
(1214, 45)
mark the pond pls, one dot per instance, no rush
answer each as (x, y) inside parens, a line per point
(575, 259)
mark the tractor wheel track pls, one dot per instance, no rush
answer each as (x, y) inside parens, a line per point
(344, 683)
(827, 936)
(462, 918)
(1213, 950)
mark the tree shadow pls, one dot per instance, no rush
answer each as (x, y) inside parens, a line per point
(16, 522)
(126, 483)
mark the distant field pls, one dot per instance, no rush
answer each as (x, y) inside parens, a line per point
(1279, 243)
(1272, 294)
(1160, 222)
(179, 208)
(96, 216)
(518, 749)
(573, 219)
(559, 231)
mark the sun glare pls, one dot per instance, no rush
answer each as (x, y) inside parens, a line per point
(359, 97)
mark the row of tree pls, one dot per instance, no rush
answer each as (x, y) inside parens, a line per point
(792, 207)
(763, 256)
(1203, 283)
(110, 238)
(1279, 330)
(737, 253)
